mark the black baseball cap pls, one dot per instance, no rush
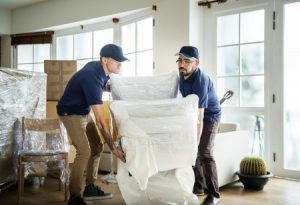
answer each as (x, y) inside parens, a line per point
(113, 51)
(189, 52)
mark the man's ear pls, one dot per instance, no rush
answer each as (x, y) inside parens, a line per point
(104, 60)
(197, 62)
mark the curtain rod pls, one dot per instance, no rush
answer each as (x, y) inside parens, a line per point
(208, 3)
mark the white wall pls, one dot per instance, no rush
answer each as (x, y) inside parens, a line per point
(58, 12)
(196, 30)
(6, 50)
(5, 30)
(5, 21)
(171, 32)
(178, 23)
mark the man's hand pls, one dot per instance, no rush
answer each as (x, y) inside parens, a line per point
(119, 154)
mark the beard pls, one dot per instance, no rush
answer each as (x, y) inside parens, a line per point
(183, 71)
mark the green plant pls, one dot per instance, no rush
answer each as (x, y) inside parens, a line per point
(253, 166)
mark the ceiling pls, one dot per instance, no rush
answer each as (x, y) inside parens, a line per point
(14, 4)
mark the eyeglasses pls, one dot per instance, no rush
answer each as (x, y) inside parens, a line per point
(185, 62)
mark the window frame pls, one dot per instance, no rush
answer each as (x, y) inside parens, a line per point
(33, 63)
(240, 44)
(82, 29)
(128, 21)
(210, 65)
(102, 26)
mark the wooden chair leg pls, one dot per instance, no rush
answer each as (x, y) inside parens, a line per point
(66, 180)
(59, 184)
(22, 178)
(20, 182)
(66, 192)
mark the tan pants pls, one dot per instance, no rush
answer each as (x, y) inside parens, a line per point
(86, 140)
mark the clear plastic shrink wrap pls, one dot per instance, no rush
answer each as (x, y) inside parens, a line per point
(39, 140)
(162, 86)
(22, 93)
(159, 139)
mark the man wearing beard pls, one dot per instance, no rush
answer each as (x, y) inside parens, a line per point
(195, 81)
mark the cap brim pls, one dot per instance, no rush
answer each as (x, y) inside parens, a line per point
(121, 59)
(184, 54)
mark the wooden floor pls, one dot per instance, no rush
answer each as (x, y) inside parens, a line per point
(276, 192)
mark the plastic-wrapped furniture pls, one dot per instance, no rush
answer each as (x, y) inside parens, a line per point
(163, 86)
(43, 140)
(22, 93)
(159, 139)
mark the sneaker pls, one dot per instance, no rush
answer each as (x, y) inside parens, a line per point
(92, 192)
(211, 200)
(198, 192)
(76, 200)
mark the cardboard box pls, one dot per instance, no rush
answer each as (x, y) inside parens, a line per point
(59, 73)
(51, 109)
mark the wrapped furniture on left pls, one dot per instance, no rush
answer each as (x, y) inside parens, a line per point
(22, 93)
(55, 150)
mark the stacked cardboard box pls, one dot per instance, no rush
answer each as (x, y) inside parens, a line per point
(59, 73)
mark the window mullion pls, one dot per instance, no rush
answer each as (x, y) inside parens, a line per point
(240, 80)
(33, 62)
(136, 48)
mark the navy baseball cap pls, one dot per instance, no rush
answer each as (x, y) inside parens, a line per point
(189, 52)
(113, 51)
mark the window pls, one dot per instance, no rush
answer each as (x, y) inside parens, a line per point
(291, 94)
(137, 44)
(83, 47)
(240, 58)
(31, 57)
(240, 67)
(135, 37)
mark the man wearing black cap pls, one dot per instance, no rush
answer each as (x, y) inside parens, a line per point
(195, 81)
(83, 92)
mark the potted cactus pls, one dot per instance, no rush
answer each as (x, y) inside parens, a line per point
(253, 173)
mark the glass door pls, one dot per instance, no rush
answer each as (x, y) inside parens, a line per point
(286, 114)
(291, 93)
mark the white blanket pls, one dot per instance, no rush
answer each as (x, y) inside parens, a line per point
(157, 135)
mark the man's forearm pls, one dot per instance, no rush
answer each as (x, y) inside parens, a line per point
(107, 138)
(116, 151)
